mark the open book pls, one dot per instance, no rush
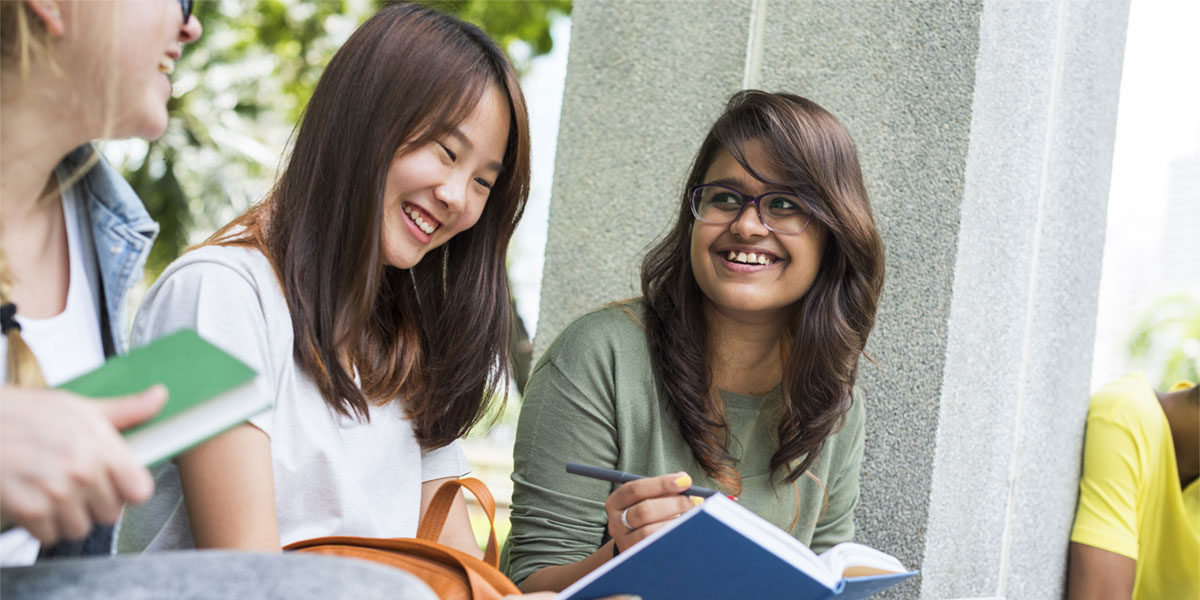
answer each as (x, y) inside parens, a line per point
(722, 550)
(208, 390)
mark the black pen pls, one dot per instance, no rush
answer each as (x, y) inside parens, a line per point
(623, 477)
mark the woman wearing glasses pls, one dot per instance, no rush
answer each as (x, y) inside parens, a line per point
(75, 238)
(734, 371)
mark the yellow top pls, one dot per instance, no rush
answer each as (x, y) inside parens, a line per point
(1130, 501)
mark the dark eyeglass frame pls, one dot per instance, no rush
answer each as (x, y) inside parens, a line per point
(694, 198)
(186, 6)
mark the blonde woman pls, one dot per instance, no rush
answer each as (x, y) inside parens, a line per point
(74, 240)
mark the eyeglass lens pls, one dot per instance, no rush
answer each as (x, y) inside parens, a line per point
(186, 6)
(782, 212)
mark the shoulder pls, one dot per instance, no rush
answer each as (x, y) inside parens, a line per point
(231, 286)
(229, 296)
(1129, 403)
(215, 265)
(600, 360)
(614, 330)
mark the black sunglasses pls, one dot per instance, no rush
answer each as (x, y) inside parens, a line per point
(186, 5)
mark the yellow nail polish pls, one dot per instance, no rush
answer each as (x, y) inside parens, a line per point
(697, 500)
(683, 481)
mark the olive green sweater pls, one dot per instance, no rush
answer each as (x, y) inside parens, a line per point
(593, 399)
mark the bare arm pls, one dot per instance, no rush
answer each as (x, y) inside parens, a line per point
(646, 504)
(229, 487)
(1096, 574)
(558, 577)
(457, 531)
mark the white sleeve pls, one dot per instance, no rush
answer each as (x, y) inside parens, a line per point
(222, 305)
(447, 461)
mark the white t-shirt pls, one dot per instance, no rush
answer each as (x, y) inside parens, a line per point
(333, 475)
(66, 345)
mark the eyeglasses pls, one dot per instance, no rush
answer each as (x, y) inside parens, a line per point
(186, 5)
(780, 212)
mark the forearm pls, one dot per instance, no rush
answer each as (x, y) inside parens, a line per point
(558, 577)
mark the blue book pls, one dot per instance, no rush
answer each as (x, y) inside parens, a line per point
(720, 549)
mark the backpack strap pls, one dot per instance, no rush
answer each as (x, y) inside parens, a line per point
(439, 508)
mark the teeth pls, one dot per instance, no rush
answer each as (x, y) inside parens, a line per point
(749, 258)
(166, 65)
(422, 224)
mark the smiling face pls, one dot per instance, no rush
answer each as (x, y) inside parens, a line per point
(438, 190)
(743, 268)
(128, 63)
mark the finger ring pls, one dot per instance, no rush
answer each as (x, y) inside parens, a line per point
(624, 522)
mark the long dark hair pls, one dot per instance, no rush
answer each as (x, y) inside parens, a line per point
(436, 334)
(814, 154)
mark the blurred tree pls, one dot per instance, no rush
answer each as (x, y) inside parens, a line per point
(1166, 341)
(520, 26)
(240, 89)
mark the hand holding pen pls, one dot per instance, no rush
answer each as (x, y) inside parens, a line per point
(623, 477)
(643, 505)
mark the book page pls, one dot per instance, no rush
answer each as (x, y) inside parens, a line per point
(856, 560)
(182, 431)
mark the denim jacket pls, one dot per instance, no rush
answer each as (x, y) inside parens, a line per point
(121, 234)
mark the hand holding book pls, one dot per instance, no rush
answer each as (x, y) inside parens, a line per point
(210, 391)
(722, 550)
(63, 463)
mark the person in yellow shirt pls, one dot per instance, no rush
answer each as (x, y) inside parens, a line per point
(1137, 527)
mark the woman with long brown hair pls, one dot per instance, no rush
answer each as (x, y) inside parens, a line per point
(369, 292)
(736, 368)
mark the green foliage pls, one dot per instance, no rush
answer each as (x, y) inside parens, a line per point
(163, 196)
(513, 23)
(1166, 340)
(242, 87)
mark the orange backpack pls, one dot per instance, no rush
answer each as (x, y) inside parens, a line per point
(453, 574)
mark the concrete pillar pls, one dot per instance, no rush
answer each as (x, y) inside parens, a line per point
(985, 131)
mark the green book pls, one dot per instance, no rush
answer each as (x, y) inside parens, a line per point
(208, 390)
